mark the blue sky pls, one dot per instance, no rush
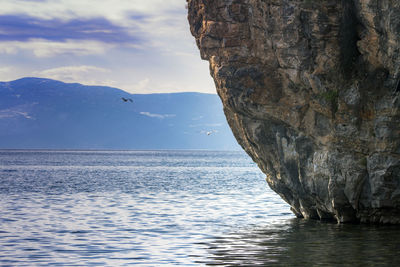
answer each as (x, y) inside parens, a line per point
(140, 46)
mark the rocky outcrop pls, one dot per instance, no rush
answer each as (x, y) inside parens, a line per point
(310, 89)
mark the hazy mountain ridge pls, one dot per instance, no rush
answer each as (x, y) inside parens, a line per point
(43, 113)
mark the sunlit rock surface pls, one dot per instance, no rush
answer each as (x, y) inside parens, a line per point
(311, 91)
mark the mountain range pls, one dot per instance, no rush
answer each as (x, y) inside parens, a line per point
(37, 113)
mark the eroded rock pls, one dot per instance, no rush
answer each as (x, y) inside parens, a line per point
(311, 91)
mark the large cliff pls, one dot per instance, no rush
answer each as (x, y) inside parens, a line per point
(310, 89)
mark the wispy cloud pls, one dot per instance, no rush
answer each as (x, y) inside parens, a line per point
(68, 9)
(197, 118)
(43, 48)
(206, 125)
(72, 73)
(141, 86)
(60, 24)
(106, 20)
(5, 70)
(24, 28)
(159, 116)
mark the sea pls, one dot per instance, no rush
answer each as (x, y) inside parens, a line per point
(165, 208)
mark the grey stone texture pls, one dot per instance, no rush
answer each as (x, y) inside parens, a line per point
(311, 92)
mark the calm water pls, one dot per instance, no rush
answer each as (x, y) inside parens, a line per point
(159, 208)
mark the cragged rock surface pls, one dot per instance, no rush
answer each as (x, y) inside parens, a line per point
(311, 92)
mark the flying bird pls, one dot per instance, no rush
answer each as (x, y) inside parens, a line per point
(126, 99)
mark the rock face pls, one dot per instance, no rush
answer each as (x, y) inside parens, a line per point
(310, 89)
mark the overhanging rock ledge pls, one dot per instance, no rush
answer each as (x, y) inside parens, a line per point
(311, 92)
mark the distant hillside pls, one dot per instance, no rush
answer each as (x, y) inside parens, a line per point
(43, 113)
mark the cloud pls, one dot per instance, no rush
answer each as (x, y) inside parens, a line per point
(68, 26)
(206, 125)
(146, 44)
(141, 86)
(197, 118)
(42, 48)
(156, 22)
(5, 70)
(9, 73)
(159, 116)
(71, 69)
(24, 28)
(114, 10)
(76, 74)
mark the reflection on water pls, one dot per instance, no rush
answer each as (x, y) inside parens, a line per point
(297, 242)
(113, 208)
(154, 208)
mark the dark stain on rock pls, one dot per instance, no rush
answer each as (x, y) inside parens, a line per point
(348, 37)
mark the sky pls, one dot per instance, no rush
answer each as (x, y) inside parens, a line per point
(140, 46)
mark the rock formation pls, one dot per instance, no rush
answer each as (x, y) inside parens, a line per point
(310, 89)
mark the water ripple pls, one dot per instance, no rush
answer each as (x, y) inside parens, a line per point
(163, 208)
